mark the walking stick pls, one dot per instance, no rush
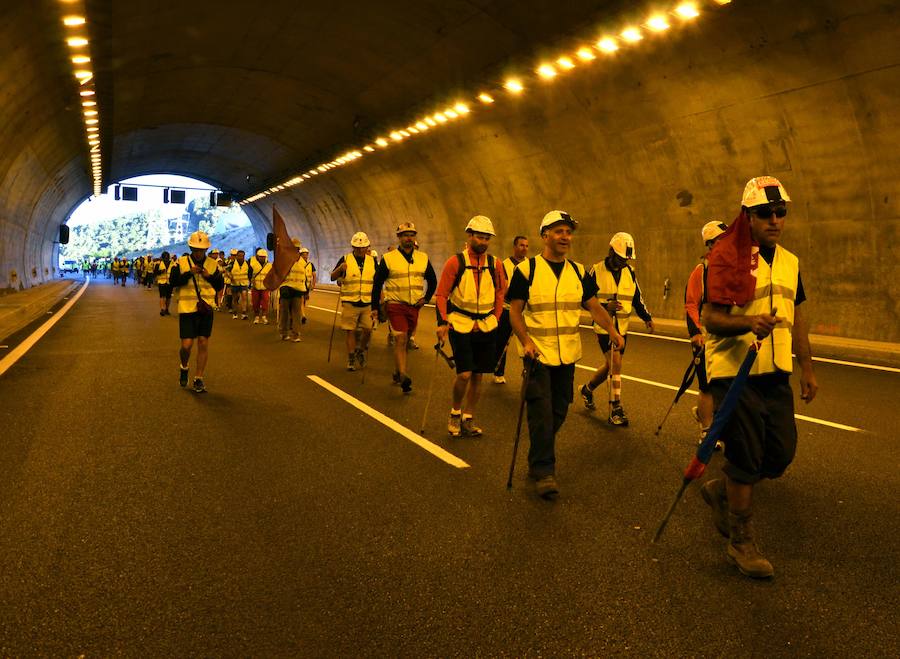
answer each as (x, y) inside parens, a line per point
(685, 383)
(502, 354)
(337, 308)
(529, 365)
(704, 451)
(437, 354)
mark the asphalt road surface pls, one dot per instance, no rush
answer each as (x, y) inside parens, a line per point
(272, 516)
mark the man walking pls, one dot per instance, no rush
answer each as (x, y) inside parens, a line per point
(504, 329)
(308, 283)
(163, 280)
(289, 299)
(240, 281)
(619, 293)
(355, 274)
(404, 274)
(754, 292)
(546, 295)
(469, 301)
(259, 268)
(197, 278)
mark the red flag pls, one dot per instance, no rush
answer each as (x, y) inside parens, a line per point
(732, 263)
(286, 255)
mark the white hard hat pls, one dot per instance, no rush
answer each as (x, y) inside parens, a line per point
(555, 217)
(481, 224)
(296, 242)
(304, 250)
(712, 230)
(233, 252)
(623, 245)
(405, 227)
(763, 190)
(261, 252)
(198, 240)
(360, 239)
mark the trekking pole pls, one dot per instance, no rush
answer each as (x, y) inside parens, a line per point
(685, 383)
(437, 354)
(502, 354)
(529, 365)
(337, 308)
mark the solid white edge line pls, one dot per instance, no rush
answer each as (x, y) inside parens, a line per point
(415, 438)
(19, 351)
(802, 417)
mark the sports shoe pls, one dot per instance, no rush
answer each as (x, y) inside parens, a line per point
(183, 376)
(546, 487)
(360, 358)
(297, 339)
(284, 337)
(243, 316)
(234, 316)
(469, 429)
(499, 379)
(199, 387)
(742, 550)
(411, 344)
(587, 397)
(265, 320)
(406, 384)
(256, 321)
(617, 416)
(454, 424)
(713, 493)
(351, 366)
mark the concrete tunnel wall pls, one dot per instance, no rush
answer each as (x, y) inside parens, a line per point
(659, 142)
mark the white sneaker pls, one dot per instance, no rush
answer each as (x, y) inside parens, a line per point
(499, 379)
(256, 321)
(234, 316)
(265, 320)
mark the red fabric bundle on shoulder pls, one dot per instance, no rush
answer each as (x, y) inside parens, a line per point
(732, 263)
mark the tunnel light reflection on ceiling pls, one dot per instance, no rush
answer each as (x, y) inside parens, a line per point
(76, 38)
(656, 23)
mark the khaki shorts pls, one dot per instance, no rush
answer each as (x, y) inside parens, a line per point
(353, 317)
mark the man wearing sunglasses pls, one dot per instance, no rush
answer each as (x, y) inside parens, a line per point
(761, 435)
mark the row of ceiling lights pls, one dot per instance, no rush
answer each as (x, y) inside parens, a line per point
(607, 45)
(77, 42)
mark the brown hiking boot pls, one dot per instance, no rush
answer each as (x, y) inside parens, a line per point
(713, 493)
(742, 550)
(546, 487)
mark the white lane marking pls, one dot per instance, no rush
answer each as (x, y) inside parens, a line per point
(874, 367)
(26, 345)
(662, 385)
(312, 306)
(325, 290)
(415, 438)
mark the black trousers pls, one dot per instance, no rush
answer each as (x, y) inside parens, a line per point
(504, 331)
(548, 397)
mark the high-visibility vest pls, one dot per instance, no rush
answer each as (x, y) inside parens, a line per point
(187, 293)
(608, 290)
(240, 274)
(472, 306)
(509, 267)
(310, 271)
(553, 310)
(357, 283)
(776, 289)
(259, 273)
(164, 272)
(406, 281)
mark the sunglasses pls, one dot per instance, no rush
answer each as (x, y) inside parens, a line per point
(766, 213)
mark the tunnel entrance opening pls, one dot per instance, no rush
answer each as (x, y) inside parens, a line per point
(151, 214)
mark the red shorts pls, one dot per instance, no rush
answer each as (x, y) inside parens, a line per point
(402, 317)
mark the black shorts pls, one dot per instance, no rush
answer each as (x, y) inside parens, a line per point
(165, 290)
(761, 435)
(603, 340)
(474, 351)
(192, 325)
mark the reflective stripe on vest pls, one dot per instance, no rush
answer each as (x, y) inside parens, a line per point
(553, 311)
(187, 294)
(357, 284)
(608, 290)
(405, 281)
(240, 274)
(259, 273)
(776, 288)
(296, 277)
(472, 306)
(164, 273)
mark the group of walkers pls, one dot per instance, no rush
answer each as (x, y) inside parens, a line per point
(484, 306)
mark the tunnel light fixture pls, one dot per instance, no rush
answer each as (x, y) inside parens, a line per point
(90, 113)
(80, 59)
(86, 92)
(76, 42)
(657, 22)
(88, 104)
(74, 21)
(83, 74)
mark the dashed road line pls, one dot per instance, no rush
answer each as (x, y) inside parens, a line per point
(385, 420)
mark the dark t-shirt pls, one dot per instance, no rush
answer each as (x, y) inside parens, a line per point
(519, 288)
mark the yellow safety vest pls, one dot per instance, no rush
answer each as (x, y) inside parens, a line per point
(357, 284)
(165, 272)
(776, 288)
(296, 277)
(406, 281)
(259, 273)
(609, 290)
(553, 311)
(187, 293)
(473, 306)
(508, 267)
(240, 274)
